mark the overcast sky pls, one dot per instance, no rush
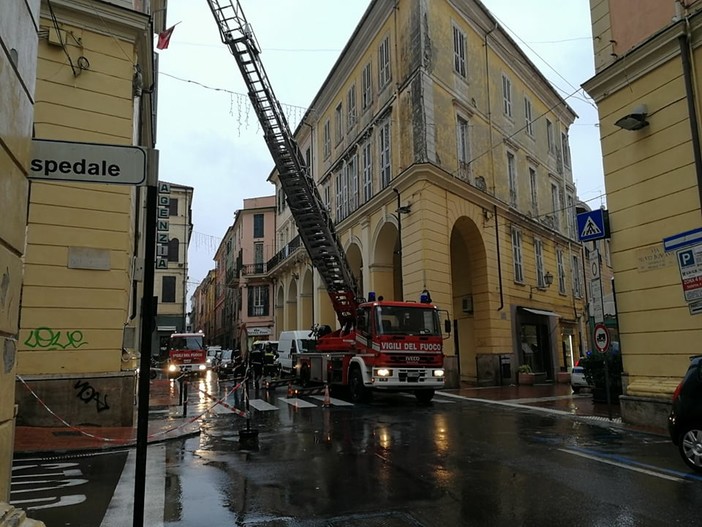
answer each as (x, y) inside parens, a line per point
(209, 137)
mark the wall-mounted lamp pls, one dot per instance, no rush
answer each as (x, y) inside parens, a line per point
(635, 120)
(547, 281)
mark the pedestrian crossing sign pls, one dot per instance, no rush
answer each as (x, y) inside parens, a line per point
(593, 225)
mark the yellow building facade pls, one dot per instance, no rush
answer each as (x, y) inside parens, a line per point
(442, 155)
(646, 63)
(79, 332)
(18, 52)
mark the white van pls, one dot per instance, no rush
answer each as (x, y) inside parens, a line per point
(295, 341)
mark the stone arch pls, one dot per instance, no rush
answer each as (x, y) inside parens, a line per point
(279, 309)
(291, 305)
(470, 293)
(307, 298)
(354, 256)
(386, 266)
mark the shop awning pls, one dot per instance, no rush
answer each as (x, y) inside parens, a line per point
(541, 312)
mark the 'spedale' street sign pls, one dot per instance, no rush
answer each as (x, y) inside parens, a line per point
(87, 162)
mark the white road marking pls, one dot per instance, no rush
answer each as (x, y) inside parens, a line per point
(261, 405)
(334, 402)
(298, 403)
(621, 465)
(120, 511)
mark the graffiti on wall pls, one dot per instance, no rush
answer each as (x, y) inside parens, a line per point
(87, 393)
(49, 339)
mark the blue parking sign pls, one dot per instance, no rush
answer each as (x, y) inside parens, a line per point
(686, 258)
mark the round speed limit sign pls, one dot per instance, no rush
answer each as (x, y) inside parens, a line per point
(601, 338)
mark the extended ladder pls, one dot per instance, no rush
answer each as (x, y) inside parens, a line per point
(313, 220)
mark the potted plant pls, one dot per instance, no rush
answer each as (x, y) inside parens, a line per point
(594, 370)
(525, 375)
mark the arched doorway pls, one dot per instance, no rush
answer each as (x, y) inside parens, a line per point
(470, 293)
(386, 267)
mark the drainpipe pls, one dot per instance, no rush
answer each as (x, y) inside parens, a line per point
(691, 109)
(499, 261)
(489, 106)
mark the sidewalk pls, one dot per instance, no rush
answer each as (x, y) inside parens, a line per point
(166, 421)
(555, 399)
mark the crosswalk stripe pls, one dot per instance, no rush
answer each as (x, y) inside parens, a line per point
(334, 402)
(261, 405)
(298, 403)
(434, 400)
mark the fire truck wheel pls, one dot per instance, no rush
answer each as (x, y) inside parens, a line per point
(424, 396)
(359, 393)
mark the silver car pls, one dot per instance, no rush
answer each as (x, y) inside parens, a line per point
(577, 379)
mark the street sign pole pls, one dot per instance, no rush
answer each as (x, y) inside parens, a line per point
(609, 395)
(148, 311)
(602, 338)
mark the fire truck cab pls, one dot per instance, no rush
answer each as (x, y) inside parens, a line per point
(187, 355)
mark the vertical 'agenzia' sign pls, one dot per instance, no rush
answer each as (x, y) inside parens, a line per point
(164, 201)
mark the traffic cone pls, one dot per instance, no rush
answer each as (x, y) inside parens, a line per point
(327, 398)
(291, 392)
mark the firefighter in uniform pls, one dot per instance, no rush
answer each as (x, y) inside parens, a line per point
(270, 356)
(256, 363)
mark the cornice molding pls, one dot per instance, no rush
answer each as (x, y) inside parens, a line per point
(645, 58)
(100, 17)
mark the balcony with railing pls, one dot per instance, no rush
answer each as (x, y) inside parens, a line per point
(254, 269)
(285, 253)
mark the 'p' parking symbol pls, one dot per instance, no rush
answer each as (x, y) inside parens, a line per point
(686, 258)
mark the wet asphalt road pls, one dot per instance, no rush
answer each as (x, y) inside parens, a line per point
(396, 463)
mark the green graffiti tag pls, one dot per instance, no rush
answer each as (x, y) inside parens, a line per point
(49, 339)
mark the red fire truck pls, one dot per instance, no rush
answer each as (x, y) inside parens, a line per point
(381, 345)
(394, 346)
(187, 355)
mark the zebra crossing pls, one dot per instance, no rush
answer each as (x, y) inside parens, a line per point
(278, 403)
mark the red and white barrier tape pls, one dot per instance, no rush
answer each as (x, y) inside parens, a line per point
(124, 441)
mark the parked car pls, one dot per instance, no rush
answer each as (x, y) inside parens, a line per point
(577, 378)
(685, 419)
(228, 362)
(212, 354)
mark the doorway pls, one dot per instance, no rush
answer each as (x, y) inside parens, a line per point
(535, 347)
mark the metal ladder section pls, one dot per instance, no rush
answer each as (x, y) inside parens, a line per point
(313, 220)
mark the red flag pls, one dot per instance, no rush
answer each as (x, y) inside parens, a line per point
(164, 37)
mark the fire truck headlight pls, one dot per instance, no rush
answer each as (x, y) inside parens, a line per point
(202, 367)
(438, 373)
(172, 367)
(383, 372)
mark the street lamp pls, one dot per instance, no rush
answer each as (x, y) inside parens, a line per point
(399, 211)
(547, 281)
